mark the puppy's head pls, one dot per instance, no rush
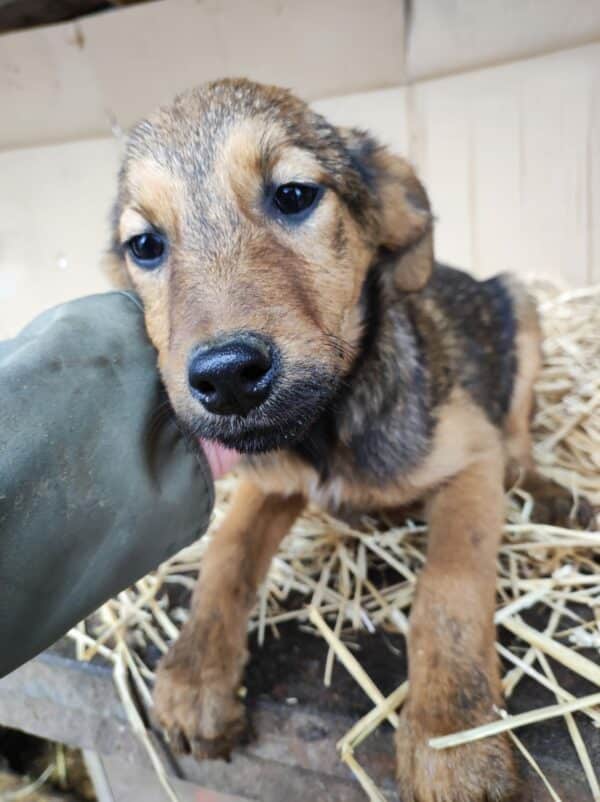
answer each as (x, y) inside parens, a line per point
(247, 224)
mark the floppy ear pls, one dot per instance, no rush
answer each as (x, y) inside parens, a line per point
(404, 220)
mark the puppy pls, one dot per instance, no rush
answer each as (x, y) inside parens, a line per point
(287, 273)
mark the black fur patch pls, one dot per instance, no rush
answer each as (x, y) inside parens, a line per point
(479, 337)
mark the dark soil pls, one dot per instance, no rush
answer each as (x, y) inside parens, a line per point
(292, 667)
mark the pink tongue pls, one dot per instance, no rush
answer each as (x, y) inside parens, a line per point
(220, 459)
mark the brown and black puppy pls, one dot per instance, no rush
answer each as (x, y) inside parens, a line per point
(286, 269)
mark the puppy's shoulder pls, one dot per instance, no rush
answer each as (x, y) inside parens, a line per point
(469, 332)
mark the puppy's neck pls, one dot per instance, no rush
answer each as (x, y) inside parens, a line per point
(379, 423)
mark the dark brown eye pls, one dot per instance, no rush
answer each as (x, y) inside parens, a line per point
(295, 198)
(147, 250)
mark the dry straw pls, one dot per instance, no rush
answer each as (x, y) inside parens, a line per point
(323, 563)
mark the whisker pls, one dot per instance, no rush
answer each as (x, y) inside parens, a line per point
(341, 346)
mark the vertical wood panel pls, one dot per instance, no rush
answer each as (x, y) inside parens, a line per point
(510, 158)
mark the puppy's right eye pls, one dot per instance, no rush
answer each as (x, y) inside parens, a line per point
(294, 199)
(147, 250)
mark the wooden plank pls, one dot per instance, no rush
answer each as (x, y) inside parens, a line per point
(15, 14)
(77, 80)
(509, 159)
(57, 698)
(464, 35)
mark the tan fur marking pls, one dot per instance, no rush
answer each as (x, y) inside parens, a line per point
(131, 224)
(159, 195)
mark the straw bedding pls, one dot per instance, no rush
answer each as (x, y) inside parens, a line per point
(320, 574)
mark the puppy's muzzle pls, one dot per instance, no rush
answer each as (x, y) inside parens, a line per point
(234, 376)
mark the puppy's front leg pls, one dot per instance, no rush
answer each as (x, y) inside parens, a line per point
(198, 680)
(454, 677)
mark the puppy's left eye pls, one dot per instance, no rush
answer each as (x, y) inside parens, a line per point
(295, 198)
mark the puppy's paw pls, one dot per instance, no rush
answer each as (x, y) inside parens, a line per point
(482, 771)
(555, 505)
(559, 509)
(201, 717)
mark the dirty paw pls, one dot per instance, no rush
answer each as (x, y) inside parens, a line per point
(200, 719)
(483, 771)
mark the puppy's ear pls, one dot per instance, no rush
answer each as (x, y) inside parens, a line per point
(404, 224)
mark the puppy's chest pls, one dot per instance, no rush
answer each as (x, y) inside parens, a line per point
(340, 489)
(461, 432)
(338, 495)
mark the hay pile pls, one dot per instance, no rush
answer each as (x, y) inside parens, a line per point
(324, 563)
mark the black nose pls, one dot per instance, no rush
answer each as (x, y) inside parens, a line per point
(233, 377)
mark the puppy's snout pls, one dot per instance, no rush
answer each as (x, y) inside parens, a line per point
(233, 377)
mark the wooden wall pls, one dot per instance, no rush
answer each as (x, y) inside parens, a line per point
(497, 102)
